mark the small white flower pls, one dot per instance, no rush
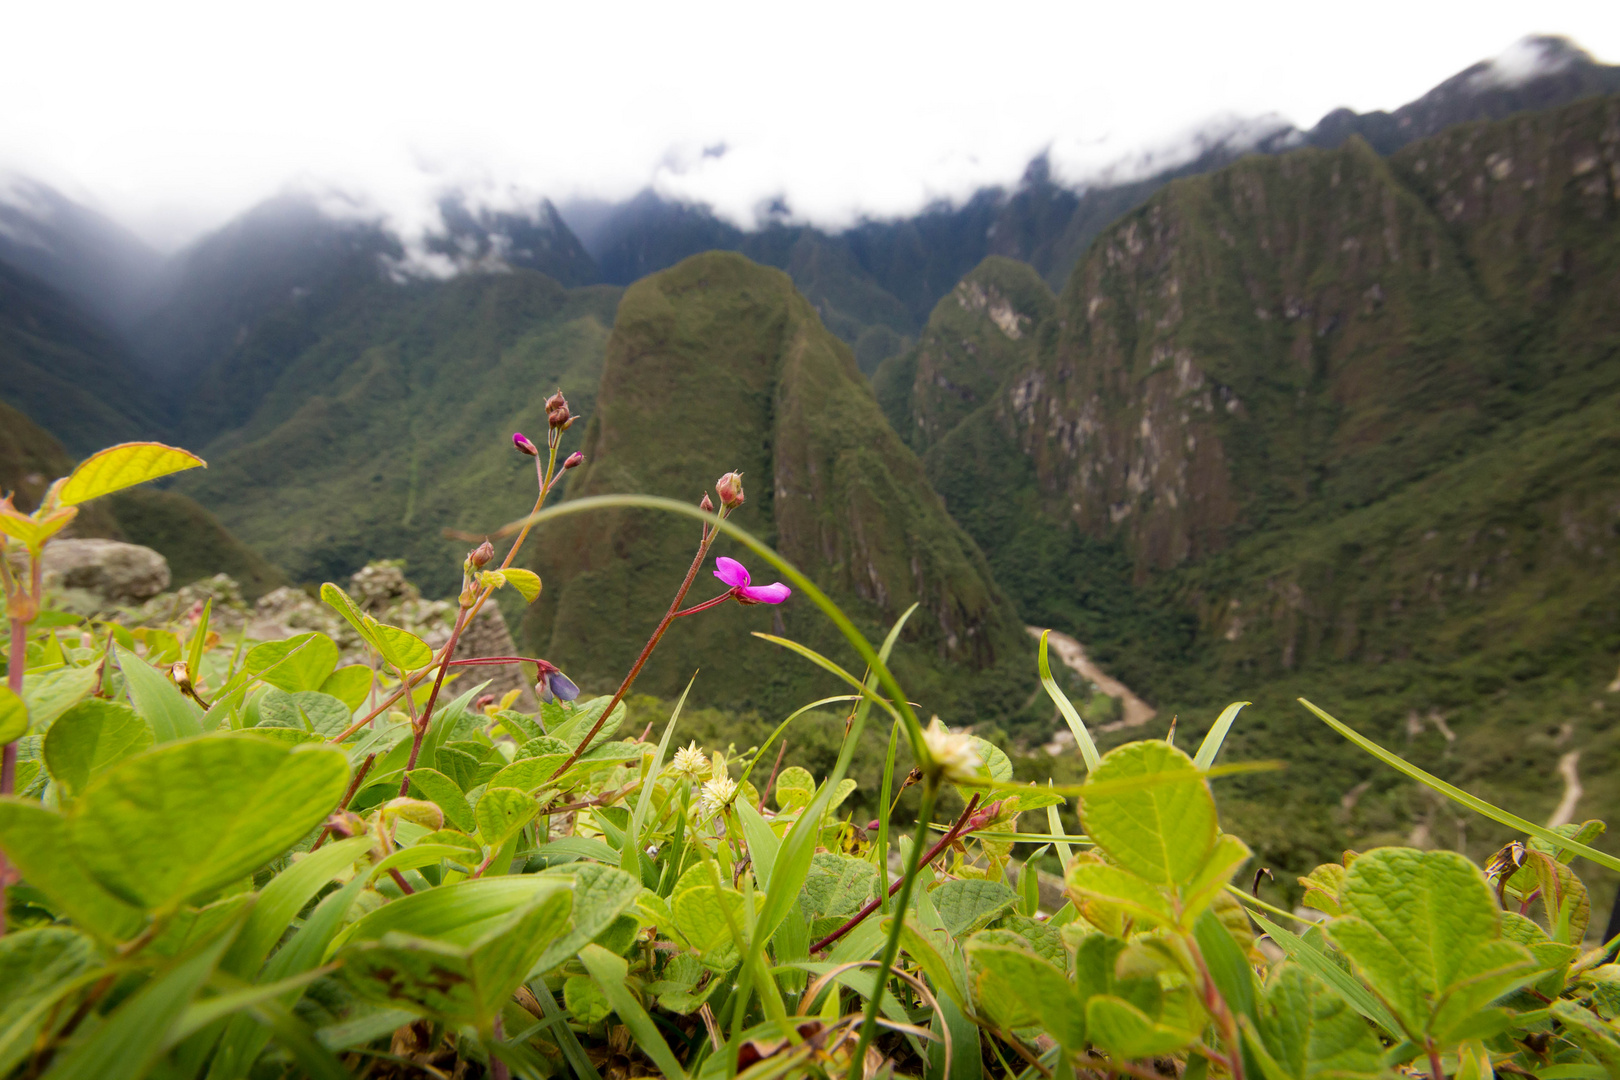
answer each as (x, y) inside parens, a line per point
(690, 762)
(953, 753)
(716, 794)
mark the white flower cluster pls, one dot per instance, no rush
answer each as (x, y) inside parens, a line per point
(953, 753)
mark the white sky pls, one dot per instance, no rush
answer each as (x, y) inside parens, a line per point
(172, 117)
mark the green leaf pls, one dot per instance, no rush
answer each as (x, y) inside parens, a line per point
(160, 703)
(630, 856)
(1082, 737)
(586, 1003)
(49, 694)
(1228, 967)
(502, 812)
(795, 787)
(37, 966)
(36, 841)
(1341, 982)
(301, 662)
(526, 582)
(601, 895)
(1456, 794)
(178, 822)
(129, 1041)
(350, 685)
(1163, 832)
(442, 791)
(1016, 989)
(283, 898)
(457, 952)
(1091, 883)
(970, 904)
(762, 842)
(306, 710)
(1591, 1034)
(91, 736)
(339, 601)
(13, 716)
(401, 648)
(1126, 1031)
(122, 466)
(611, 974)
(701, 915)
(1211, 745)
(1418, 926)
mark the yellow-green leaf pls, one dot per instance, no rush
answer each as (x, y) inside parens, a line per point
(526, 582)
(13, 716)
(122, 466)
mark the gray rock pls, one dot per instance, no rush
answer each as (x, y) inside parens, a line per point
(117, 572)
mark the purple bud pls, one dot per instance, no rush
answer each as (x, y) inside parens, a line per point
(575, 460)
(522, 442)
(562, 686)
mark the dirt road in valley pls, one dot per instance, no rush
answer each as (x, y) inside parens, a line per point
(1073, 655)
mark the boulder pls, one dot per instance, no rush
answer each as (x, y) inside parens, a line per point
(117, 572)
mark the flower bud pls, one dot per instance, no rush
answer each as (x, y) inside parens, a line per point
(575, 460)
(706, 505)
(557, 414)
(481, 555)
(522, 442)
(729, 488)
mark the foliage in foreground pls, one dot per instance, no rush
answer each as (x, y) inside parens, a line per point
(226, 861)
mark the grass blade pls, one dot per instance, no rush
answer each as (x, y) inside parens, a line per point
(610, 972)
(794, 715)
(822, 662)
(1082, 737)
(1217, 735)
(630, 855)
(1456, 794)
(1343, 983)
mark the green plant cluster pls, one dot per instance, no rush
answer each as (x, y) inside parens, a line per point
(225, 860)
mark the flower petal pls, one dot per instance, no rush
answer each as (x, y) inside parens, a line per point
(731, 572)
(562, 686)
(774, 593)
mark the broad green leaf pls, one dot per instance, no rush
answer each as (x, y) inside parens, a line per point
(129, 1041)
(1018, 989)
(526, 582)
(178, 822)
(1591, 1034)
(122, 466)
(438, 788)
(1211, 746)
(91, 736)
(1126, 1031)
(301, 662)
(401, 648)
(36, 841)
(306, 710)
(1322, 966)
(586, 1003)
(339, 601)
(1082, 737)
(350, 685)
(970, 904)
(611, 974)
(701, 916)
(502, 812)
(1228, 854)
(49, 694)
(1096, 883)
(1322, 887)
(36, 528)
(1163, 832)
(795, 787)
(1417, 925)
(283, 898)
(601, 895)
(159, 701)
(457, 952)
(837, 886)
(37, 966)
(13, 716)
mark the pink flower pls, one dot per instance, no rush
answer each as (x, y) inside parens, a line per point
(521, 441)
(735, 574)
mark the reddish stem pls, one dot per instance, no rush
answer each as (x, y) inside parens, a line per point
(933, 853)
(707, 604)
(421, 725)
(404, 886)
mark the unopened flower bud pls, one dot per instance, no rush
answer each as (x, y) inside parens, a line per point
(729, 488)
(575, 460)
(557, 414)
(706, 505)
(481, 555)
(522, 442)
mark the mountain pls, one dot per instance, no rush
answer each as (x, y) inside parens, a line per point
(1322, 423)
(101, 266)
(70, 371)
(887, 276)
(387, 417)
(720, 364)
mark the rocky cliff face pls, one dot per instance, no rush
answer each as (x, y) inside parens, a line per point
(720, 364)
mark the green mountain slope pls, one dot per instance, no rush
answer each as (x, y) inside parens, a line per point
(1331, 424)
(391, 420)
(719, 364)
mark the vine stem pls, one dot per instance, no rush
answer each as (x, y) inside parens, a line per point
(891, 949)
(646, 651)
(933, 853)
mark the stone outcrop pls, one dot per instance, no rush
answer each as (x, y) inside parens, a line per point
(115, 572)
